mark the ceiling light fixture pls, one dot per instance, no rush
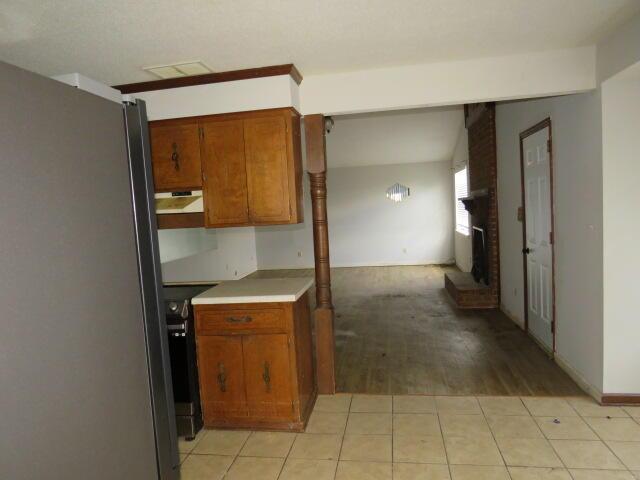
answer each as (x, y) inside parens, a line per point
(397, 192)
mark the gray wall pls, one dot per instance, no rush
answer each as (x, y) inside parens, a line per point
(577, 176)
(621, 230)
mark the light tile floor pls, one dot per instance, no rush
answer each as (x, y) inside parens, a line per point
(378, 437)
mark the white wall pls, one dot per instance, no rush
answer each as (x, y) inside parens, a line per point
(289, 246)
(183, 242)
(366, 228)
(403, 136)
(238, 96)
(450, 83)
(577, 170)
(462, 243)
(233, 257)
(621, 230)
(619, 50)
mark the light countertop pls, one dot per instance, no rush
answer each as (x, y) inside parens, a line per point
(255, 290)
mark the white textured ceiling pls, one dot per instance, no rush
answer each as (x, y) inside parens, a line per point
(385, 138)
(111, 40)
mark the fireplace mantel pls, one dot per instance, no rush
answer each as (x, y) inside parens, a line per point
(470, 202)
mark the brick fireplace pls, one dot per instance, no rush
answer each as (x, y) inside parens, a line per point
(482, 205)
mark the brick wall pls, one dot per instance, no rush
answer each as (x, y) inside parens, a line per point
(482, 150)
(483, 170)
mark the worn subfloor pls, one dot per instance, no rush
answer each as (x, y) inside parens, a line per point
(380, 437)
(397, 332)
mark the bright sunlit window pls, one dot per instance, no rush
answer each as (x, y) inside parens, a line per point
(462, 190)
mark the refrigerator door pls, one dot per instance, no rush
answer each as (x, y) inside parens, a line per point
(150, 274)
(78, 379)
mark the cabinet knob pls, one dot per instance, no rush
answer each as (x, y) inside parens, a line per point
(266, 376)
(222, 377)
(175, 156)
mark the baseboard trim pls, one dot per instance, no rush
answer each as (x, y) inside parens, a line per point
(369, 264)
(462, 269)
(549, 351)
(620, 399)
(512, 317)
(433, 263)
(578, 378)
(297, 267)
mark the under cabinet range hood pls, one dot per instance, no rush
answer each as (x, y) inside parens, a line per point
(179, 202)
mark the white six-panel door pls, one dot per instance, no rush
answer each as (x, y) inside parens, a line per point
(538, 226)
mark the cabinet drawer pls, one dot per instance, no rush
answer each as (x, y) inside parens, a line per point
(237, 320)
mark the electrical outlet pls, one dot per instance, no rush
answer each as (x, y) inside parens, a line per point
(515, 292)
(404, 250)
(299, 254)
(226, 267)
(235, 273)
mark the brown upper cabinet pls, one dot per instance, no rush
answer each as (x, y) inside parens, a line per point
(224, 173)
(251, 164)
(175, 155)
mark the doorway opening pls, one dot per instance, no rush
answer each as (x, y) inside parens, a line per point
(397, 331)
(413, 322)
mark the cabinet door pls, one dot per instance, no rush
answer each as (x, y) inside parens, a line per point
(225, 176)
(267, 376)
(220, 368)
(267, 172)
(175, 154)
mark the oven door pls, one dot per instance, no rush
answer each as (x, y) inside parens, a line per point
(179, 365)
(184, 373)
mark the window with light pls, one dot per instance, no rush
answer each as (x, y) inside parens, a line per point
(462, 191)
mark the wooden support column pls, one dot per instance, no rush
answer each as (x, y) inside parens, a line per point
(323, 314)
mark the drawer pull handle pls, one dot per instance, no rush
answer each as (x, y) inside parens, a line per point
(245, 319)
(266, 376)
(222, 377)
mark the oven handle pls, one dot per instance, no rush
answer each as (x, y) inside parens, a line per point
(180, 326)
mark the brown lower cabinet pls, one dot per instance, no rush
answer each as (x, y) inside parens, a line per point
(255, 365)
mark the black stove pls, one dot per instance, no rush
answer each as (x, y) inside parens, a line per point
(182, 350)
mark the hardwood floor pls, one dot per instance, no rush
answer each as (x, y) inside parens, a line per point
(397, 332)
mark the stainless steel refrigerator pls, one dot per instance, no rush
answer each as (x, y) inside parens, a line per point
(85, 386)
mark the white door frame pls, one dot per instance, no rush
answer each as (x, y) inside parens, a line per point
(546, 123)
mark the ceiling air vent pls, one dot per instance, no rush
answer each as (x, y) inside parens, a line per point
(178, 70)
(398, 192)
